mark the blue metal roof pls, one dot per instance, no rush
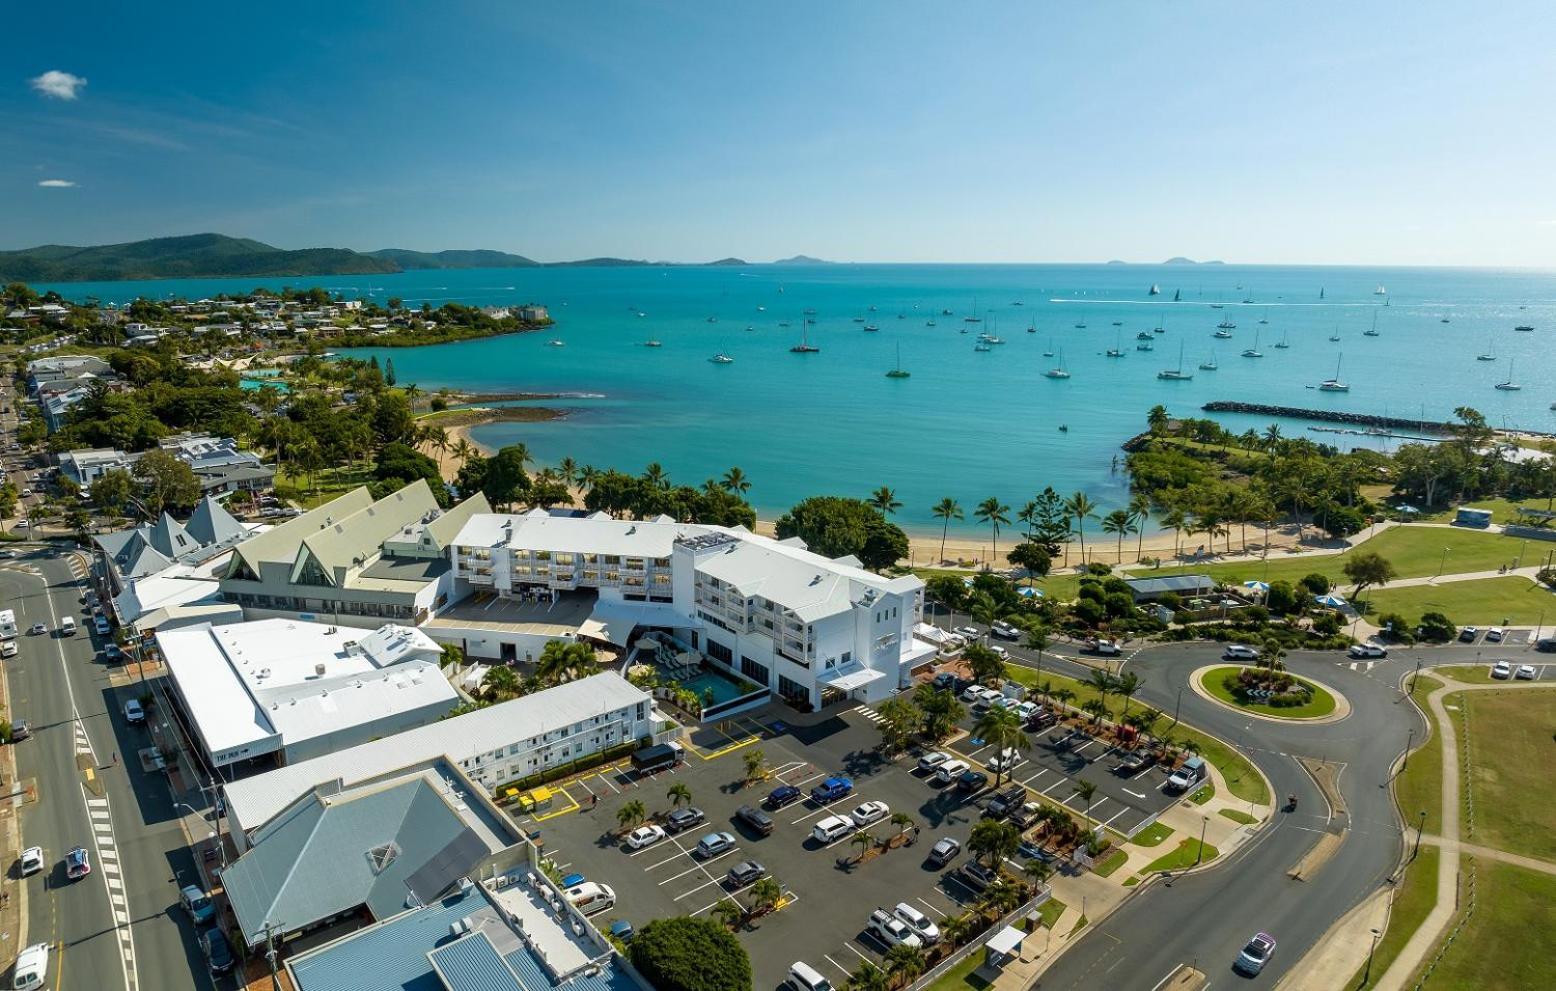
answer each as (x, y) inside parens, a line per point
(473, 964)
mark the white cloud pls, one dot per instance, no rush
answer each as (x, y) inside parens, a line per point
(58, 85)
(56, 184)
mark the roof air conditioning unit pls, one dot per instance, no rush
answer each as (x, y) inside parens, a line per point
(318, 669)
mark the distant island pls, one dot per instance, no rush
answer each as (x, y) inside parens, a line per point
(1180, 260)
(220, 256)
(803, 260)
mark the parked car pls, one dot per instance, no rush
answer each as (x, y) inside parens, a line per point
(133, 713)
(1005, 631)
(1255, 955)
(831, 790)
(971, 781)
(683, 819)
(1468, 634)
(1040, 720)
(869, 812)
(829, 829)
(218, 952)
(945, 680)
(78, 863)
(783, 795)
(973, 692)
(37, 629)
(573, 880)
(1006, 802)
(950, 771)
(922, 926)
(1495, 635)
(932, 760)
(1525, 672)
(976, 876)
(645, 836)
(9, 649)
(1546, 645)
(944, 851)
(891, 930)
(754, 819)
(1005, 760)
(20, 730)
(100, 624)
(197, 903)
(714, 844)
(1368, 650)
(1135, 762)
(31, 861)
(744, 873)
(1026, 710)
(1240, 652)
(1026, 815)
(1501, 669)
(1193, 771)
(1107, 648)
(970, 632)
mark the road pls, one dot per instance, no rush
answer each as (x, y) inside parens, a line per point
(60, 687)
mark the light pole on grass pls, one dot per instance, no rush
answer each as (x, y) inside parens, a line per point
(1410, 741)
(1367, 974)
(1420, 825)
(1200, 856)
(1443, 561)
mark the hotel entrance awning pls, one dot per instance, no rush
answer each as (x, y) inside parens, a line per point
(850, 680)
(614, 621)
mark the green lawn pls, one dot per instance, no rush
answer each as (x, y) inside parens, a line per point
(1415, 551)
(1241, 777)
(1419, 787)
(1472, 674)
(1112, 862)
(1320, 703)
(1412, 903)
(1152, 835)
(960, 977)
(1183, 857)
(1502, 510)
(1512, 751)
(1241, 818)
(1206, 792)
(1048, 913)
(1485, 602)
(1509, 943)
(308, 492)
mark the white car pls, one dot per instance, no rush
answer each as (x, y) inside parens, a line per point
(1502, 670)
(932, 760)
(645, 836)
(868, 812)
(32, 860)
(892, 931)
(1240, 652)
(1495, 634)
(8, 649)
(918, 922)
(970, 632)
(974, 692)
(1525, 672)
(1027, 710)
(1368, 650)
(831, 828)
(999, 651)
(950, 771)
(1005, 631)
(1005, 760)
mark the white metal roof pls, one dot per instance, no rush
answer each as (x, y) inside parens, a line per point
(254, 801)
(539, 530)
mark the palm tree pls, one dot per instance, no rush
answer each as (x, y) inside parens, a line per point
(1177, 521)
(501, 682)
(1157, 419)
(735, 481)
(1037, 871)
(1140, 505)
(954, 928)
(562, 661)
(1086, 790)
(904, 963)
(941, 710)
(1000, 899)
(1037, 639)
(885, 500)
(903, 822)
(983, 609)
(1103, 682)
(984, 664)
(464, 450)
(994, 841)
(1002, 730)
(630, 815)
(568, 469)
(679, 792)
(946, 510)
(1125, 686)
(656, 476)
(1096, 708)
(1121, 522)
(864, 841)
(729, 913)
(756, 765)
(1271, 436)
(765, 894)
(868, 977)
(1081, 508)
(995, 514)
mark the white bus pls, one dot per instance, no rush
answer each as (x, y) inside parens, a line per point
(7, 624)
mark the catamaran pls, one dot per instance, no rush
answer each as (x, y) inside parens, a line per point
(1254, 351)
(1284, 342)
(898, 372)
(1509, 385)
(805, 346)
(1176, 374)
(1334, 384)
(721, 359)
(1059, 371)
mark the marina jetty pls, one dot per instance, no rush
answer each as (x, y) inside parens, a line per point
(1330, 416)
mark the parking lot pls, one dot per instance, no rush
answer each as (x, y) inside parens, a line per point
(827, 895)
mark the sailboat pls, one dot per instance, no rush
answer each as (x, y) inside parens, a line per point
(556, 342)
(1050, 352)
(982, 346)
(898, 372)
(1509, 385)
(1373, 330)
(1177, 295)
(1265, 318)
(1380, 291)
(805, 346)
(721, 359)
(1176, 374)
(653, 344)
(1523, 328)
(1059, 371)
(1156, 290)
(1284, 342)
(1223, 333)
(1227, 324)
(1334, 384)
(871, 328)
(1032, 327)
(1117, 350)
(1254, 351)
(1209, 366)
(1142, 336)
(1145, 346)
(1490, 353)
(1081, 325)
(1336, 335)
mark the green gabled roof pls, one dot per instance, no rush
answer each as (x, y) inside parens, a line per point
(279, 545)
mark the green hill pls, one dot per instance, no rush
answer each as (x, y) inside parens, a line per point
(408, 259)
(191, 256)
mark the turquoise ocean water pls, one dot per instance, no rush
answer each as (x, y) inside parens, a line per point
(966, 424)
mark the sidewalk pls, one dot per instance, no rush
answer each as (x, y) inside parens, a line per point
(13, 890)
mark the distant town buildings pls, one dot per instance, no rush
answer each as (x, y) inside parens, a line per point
(218, 462)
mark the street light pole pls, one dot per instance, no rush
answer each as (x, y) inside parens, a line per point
(1420, 825)
(1367, 974)
(1178, 705)
(1205, 821)
(1409, 742)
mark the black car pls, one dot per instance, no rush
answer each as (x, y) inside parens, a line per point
(977, 876)
(945, 850)
(218, 952)
(784, 795)
(1040, 720)
(1546, 645)
(1134, 763)
(1005, 802)
(744, 873)
(754, 819)
(683, 819)
(971, 781)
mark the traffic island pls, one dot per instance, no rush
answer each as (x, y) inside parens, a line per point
(1288, 697)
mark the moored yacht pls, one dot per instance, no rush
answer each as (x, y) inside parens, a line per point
(1335, 384)
(721, 359)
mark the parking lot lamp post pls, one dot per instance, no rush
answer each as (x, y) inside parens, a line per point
(1410, 741)
(1367, 974)
(1442, 562)
(1415, 677)
(1177, 706)
(1200, 856)
(1420, 825)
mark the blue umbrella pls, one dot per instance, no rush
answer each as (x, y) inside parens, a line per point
(1257, 586)
(1332, 601)
(1029, 593)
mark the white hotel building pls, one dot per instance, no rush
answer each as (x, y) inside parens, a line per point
(808, 628)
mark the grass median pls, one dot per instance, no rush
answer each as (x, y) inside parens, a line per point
(1186, 855)
(1509, 942)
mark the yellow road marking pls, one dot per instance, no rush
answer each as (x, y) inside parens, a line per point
(561, 812)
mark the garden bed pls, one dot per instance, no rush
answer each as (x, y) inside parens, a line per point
(1309, 701)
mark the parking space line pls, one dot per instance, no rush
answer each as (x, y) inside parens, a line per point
(584, 784)
(845, 971)
(688, 894)
(669, 860)
(1051, 787)
(856, 953)
(1115, 816)
(1136, 794)
(1026, 782)
(700, 865)
(609, 783)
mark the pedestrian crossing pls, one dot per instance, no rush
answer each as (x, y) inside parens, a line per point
(83, 742)
(1362, 666)
(869, 713)
(101, 814)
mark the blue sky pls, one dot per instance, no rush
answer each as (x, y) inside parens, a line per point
(1378, 133)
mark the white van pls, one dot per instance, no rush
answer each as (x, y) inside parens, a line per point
(67, 627)
(804, 977)
(32, 967)
(591, 897)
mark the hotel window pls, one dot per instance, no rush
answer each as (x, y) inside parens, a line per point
(756, 672)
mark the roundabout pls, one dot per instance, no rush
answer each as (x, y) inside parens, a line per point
(1322, 703)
